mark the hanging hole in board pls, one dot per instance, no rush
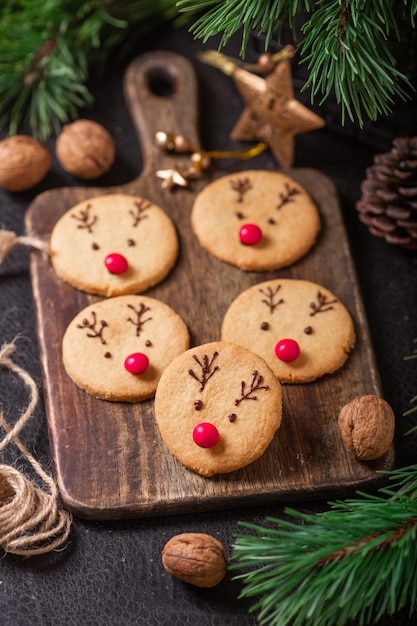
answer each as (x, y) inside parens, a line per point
(161, 82)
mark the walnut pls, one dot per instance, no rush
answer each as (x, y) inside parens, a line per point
(85, 149)
(367, 427)
(24, 162)
(195, 558)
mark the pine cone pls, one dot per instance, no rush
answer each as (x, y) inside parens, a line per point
(388, 205)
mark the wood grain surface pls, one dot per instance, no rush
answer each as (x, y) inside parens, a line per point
(109, 459)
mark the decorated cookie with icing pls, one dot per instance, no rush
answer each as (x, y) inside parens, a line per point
(300, 328)
(218, 406)
(256, 220)
(118, 348)
(113, 245)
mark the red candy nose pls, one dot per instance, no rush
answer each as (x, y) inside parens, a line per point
(136, 363)
(116, 263)
(250, 234)
(287, 350)
(206, 435)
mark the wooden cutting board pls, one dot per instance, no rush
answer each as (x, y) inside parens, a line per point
(109, 459)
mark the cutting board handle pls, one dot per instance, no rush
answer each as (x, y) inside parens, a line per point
(161, 93)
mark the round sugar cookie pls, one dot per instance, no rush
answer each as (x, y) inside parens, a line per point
(114, 245)
(218, 407)
(107, 344)
(300, 328)
(256, 220)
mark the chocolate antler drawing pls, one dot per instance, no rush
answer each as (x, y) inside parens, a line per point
(322, 304)
(95, 332)
(241, 185)
(138, 213)
(287, 196)
(139, 322)
(255, 385)
(86, 221)
(206, 369)
(270, 295)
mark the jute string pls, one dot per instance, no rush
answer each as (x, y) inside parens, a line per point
(31, 522)
(9, 239)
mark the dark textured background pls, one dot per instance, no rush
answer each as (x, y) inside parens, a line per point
(111, 573)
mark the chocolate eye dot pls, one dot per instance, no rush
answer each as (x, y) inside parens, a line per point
(148, 343)
(308, 330)
(107, 355)
(240, 215)
(232, 417)
(130, 242)
(271, 220)
(264, 326)
(95, 246)
(198, 405)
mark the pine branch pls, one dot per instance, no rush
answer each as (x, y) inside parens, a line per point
(355, 561)
(346, 50)
(345, 44)
(41, 76)
(48, 50)
(264, 17)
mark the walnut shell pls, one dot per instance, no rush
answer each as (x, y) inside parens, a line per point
(367, 426)
(195, 558)
(85, 149)
(24, 162)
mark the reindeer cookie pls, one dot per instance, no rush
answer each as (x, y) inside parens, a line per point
(117, 349)
(256, 220)
(300, 328)
(217, 407)
(113, 245)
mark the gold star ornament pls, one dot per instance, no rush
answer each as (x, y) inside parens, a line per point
(173, 177)
(271, 114)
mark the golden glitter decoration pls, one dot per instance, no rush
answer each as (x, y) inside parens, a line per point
(200, 160)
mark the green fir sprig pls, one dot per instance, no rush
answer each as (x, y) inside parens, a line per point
(49, 48)
(345, 48)
(345, 43)
(267, 17)
(357, 560)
